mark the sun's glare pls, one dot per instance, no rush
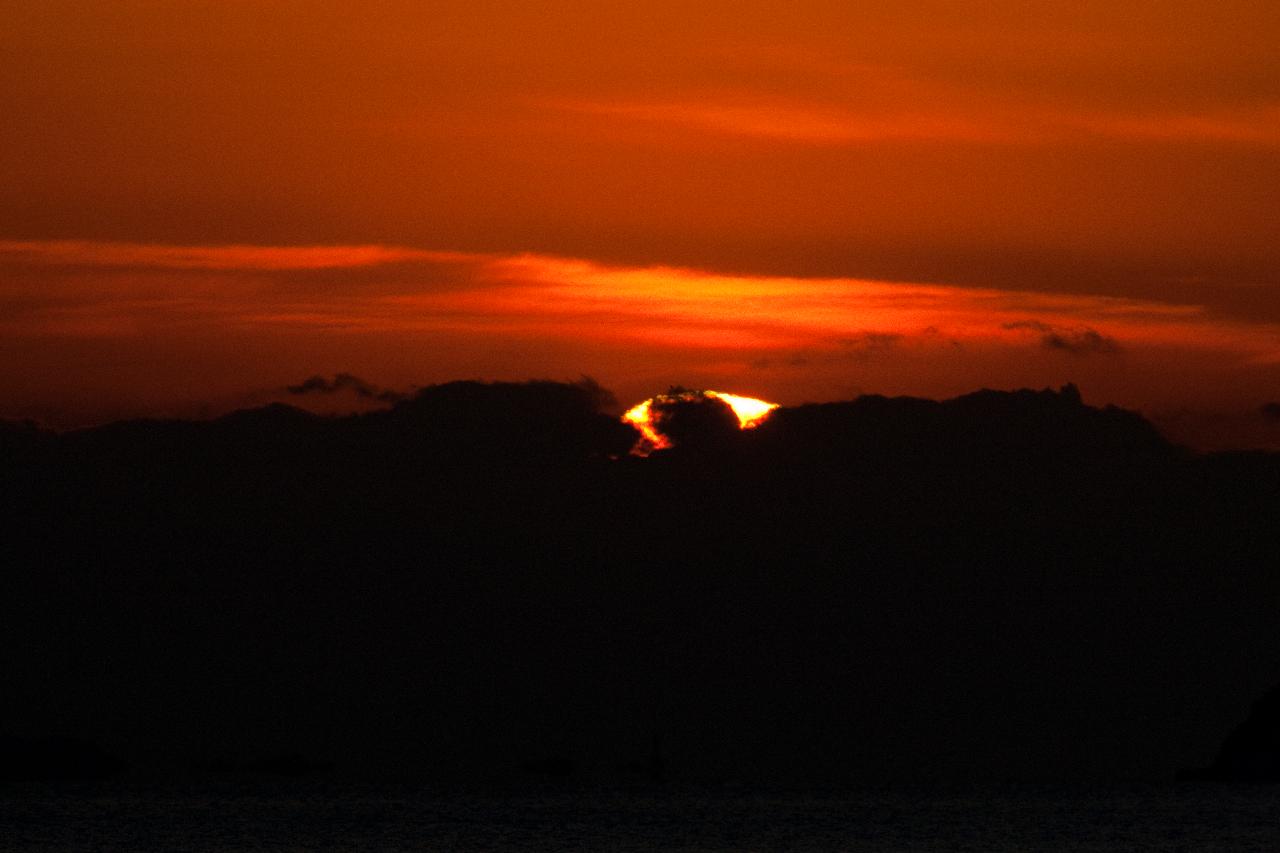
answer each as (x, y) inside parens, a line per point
(749, 411)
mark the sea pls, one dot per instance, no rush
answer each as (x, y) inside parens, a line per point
(312, 815)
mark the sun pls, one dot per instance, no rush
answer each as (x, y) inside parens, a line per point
(749, 411)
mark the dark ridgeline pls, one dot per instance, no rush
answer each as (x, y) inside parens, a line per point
(1251, 751)
(480, 582)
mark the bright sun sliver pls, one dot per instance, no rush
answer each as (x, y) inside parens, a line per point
(749, 410)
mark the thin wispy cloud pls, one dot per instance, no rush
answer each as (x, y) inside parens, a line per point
(540, 294)
(795, 122)
(1077, 340)
(111, 255)
(895, 109)
(110, 317)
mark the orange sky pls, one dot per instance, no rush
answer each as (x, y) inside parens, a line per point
(206, 201)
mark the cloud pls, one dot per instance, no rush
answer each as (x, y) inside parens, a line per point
(1077, 341)
(794, 122)
(938, 112)
(90, 253)
(1259, 125)
(758, 319)
(1033, 325)
(505, 316)
(1270, 411)
(344, 382)
(1080, 342)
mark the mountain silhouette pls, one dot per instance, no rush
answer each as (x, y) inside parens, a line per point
(1251, 751)
(1002, 585)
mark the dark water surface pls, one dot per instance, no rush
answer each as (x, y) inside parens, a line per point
(332, 815)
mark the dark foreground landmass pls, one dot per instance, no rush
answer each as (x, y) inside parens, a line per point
(480, 582)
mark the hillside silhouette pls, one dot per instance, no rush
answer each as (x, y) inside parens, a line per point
(1251, 750)
(1003, 585)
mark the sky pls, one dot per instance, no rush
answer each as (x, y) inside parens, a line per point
(204, 203)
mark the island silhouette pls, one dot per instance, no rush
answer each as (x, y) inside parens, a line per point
(482, 582)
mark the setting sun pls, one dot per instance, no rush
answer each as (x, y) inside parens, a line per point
(319, 322)
(749, 411)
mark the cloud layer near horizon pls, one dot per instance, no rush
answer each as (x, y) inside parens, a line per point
(160, 328)
(802, 200)
(1125, 149)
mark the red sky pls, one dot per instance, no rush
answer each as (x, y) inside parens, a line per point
(203, 202)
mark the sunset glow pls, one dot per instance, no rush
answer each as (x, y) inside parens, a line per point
(749, 411)
(333, 441)
(812, 201)
(238, 324)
